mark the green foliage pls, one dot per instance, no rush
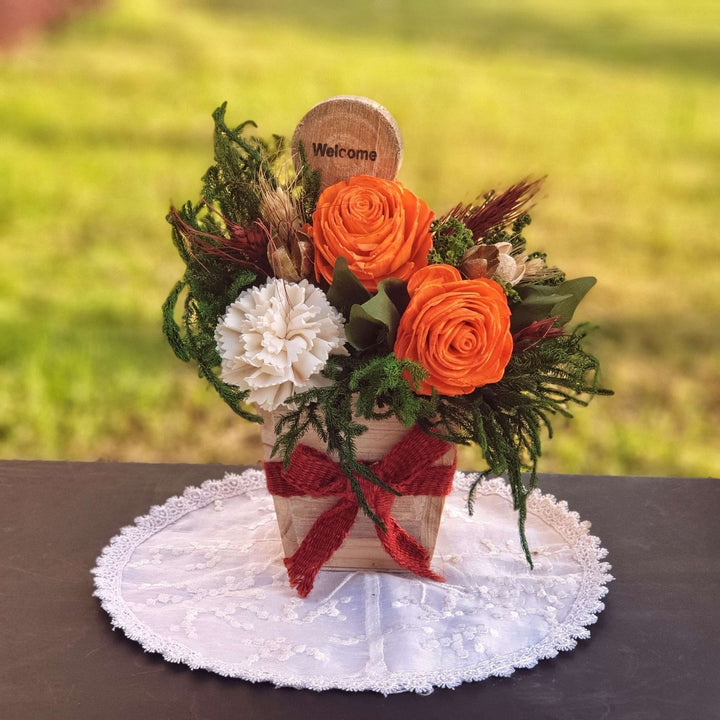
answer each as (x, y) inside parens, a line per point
(451, 238)
(231, 183)
(194, 339)
(383, 387)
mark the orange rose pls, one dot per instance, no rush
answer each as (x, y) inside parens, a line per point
(458, 330)
(377, 225)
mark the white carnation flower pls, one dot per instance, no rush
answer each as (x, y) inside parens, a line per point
(275, 340)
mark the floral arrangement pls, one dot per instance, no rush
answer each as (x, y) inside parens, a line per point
(358, 302)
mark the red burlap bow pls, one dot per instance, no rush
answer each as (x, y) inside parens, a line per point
(408, 468)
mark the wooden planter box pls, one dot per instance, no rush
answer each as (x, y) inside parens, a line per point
(418, 514)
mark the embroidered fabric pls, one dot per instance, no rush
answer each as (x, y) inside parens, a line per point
(200, 579)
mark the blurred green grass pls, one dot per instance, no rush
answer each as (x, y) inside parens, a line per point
(107, 120)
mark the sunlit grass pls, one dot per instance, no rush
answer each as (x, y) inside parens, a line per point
(107, 121)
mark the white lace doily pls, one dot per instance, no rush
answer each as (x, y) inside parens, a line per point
(200, 579)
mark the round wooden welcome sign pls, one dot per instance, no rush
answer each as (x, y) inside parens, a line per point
(348, 135)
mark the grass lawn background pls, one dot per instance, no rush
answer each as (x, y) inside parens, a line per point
(106, 120)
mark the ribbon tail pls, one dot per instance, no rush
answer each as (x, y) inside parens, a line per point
(322, 540)
(406, 551)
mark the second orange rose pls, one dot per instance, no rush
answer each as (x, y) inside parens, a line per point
(457, 330)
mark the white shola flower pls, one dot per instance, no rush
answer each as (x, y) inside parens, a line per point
(509, 269)
(275, 340)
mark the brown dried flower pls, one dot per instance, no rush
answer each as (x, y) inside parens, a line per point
(479, 261)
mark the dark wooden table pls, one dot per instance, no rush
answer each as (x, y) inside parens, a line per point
(654, 654)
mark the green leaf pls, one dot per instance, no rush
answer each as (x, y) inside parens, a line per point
(375, 322)
(396, 290)
(542, 301)
(363, 331)
(577, 289)
(537, 302)
(346, 290)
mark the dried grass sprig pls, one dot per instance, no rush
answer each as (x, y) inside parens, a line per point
(496, 211)
(245, 246)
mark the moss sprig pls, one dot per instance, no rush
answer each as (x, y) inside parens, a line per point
(451, 238)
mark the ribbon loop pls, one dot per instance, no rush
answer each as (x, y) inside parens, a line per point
(408, 468)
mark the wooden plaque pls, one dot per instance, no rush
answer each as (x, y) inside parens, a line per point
(348, 135)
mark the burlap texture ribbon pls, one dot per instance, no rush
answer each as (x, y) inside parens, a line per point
(408, 468)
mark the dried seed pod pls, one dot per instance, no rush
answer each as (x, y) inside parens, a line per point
(282, 265)
(479, 261)
(303, 254)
